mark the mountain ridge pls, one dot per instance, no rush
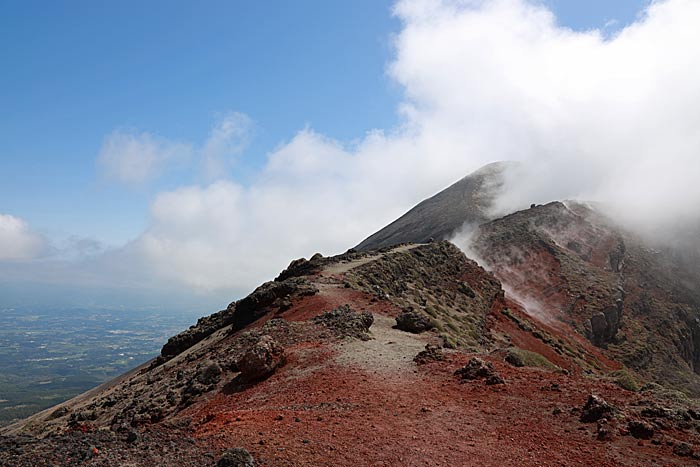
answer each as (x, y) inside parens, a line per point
(414, 352)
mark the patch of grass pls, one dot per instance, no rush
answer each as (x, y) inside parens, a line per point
(625, 379)
(448, 342)
(520, 358)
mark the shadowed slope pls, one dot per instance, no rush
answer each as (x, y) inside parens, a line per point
(438, 217)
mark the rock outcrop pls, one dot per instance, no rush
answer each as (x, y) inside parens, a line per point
(346, 322)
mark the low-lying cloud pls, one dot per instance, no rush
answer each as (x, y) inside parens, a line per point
(18, 241)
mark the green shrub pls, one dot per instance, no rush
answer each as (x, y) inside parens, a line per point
(625, 379)
(520, 358)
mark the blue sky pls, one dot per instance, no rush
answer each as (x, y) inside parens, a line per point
(323, 119)
(74, 71)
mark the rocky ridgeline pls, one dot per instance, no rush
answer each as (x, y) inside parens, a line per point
(438, 288)
(441, 301)
(271, 295)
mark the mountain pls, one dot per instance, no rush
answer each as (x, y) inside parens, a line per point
(466, 202)
(571, 342)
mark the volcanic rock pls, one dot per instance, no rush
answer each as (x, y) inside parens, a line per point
(606, 430)
(432, 353)
(236, 457)
(261, 360)
(683, 450)
(476, 368)
(640, 429)
(596, 408)
(413, 321)
(346, 322)
(494, 379)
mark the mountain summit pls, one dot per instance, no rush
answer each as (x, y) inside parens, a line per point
(468, 201)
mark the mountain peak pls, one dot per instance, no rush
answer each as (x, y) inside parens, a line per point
(467, 201)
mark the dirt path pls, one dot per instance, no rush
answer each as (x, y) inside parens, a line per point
(344, 266)
(390, 352)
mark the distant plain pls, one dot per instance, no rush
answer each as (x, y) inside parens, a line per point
(50, 355)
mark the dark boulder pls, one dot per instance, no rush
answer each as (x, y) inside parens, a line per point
(413, 321)
(596, 408)
(236, 457)
(494, 379)
(476, 368)
(606, 430)
(640, 429)
(432, 353)
(683, 450)
(132, 436)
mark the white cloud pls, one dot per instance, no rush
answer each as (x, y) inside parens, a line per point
(133, 158)
(17, 240)
(606, 117)
(610, 119)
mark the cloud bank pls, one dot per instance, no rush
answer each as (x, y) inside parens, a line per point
(592, 116)
(596, 115)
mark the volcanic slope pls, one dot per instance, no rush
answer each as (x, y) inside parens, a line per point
(407, 356)
(569, 264)
(438, 217)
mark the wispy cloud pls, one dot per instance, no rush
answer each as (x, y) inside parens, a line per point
(132, 157)
(227, 140)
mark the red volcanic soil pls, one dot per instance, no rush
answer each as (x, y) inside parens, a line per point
(345, 401)
(367, 403)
